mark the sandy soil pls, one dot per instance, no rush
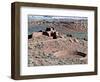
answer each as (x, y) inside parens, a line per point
(44, 51)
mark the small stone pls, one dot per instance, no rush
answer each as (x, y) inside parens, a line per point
(71, 40)
(76, 40)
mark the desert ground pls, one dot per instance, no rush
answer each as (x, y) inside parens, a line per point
(66, 44)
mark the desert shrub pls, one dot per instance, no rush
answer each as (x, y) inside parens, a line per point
(30, 36)
(85, 39)
(69, 35)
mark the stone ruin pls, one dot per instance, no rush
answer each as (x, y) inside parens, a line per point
(50, 32)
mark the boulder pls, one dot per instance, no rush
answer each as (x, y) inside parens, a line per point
(76, 40)
(71, 40)
(54, 35)
(81, 54)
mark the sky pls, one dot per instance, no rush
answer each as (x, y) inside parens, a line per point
(30, 17)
